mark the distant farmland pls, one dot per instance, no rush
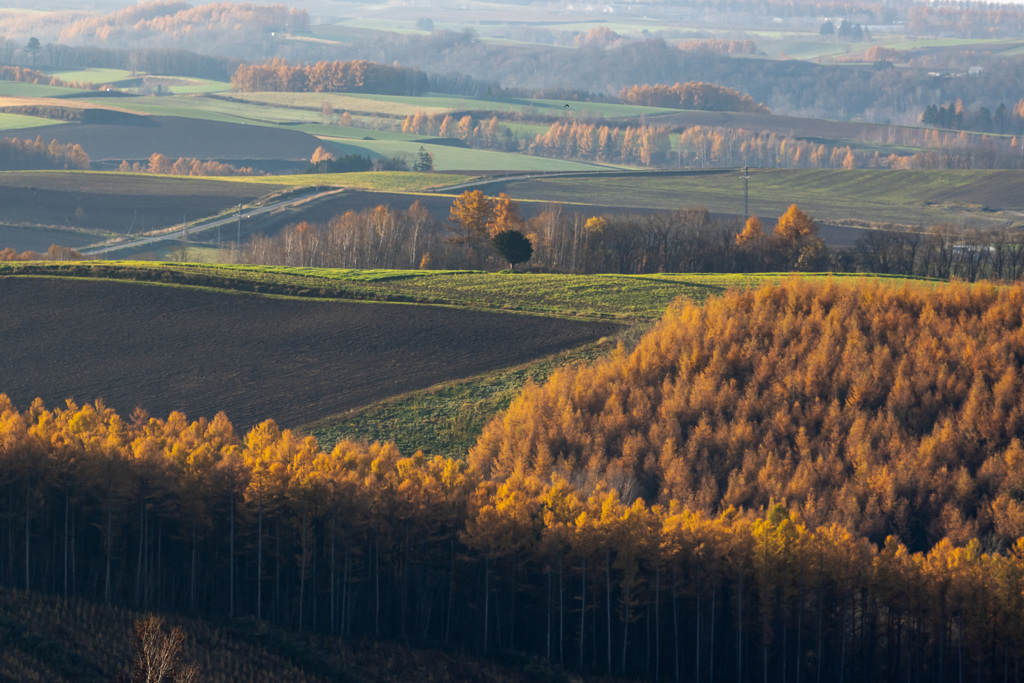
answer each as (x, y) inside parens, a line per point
(138, 137)
(173, 348)
(113, 203)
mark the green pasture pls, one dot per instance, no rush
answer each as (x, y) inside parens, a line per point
(322, 130)
(18, 121)
(444, 420)
(455, 158)
(212, 109)
(16, 89)
(199, 86)
(352, 102)
(870, 196)
(92, 75)
(382, 181)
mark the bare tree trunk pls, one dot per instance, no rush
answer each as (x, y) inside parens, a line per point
(583, 609)
(231, 560)
(302, 572)
(608, 599)
(67, 506)
(259, 561)
(28, 531)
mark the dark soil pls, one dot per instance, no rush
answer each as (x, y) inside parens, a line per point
(174, 136)
(118, 204)
(172, 348)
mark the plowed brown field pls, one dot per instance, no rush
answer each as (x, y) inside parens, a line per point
(171, 348)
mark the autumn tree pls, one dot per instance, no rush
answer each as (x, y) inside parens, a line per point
(795, 224)
(473, 212)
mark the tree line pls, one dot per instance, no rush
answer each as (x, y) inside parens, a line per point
(954, 116)
(692, 95)
(17, 154)
(338, 76)
(596, 523)
(158, 163)
(688, 240)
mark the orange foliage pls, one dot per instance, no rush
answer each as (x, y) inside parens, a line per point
(338, 76)
(856, 404)
(692, 95)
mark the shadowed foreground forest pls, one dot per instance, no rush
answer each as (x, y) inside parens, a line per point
(810, 481)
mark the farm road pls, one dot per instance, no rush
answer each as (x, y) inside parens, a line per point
(296, 361)
(205, 225)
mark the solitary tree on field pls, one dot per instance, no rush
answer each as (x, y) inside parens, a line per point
(513, 246)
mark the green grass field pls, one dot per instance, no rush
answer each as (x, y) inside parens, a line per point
(92, 75)
(16, 121)
(15, 89)
(383, 181)
(448, 158)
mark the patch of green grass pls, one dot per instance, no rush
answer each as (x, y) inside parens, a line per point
(196, 86)
(92, 75)
(16, 121)
(383, 181)
(444, 420)
(351, 102)
(458, 158)
(15, 89)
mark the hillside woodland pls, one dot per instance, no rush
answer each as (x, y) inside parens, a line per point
(819, 480)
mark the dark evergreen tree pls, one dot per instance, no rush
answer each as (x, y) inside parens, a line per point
(513, 246)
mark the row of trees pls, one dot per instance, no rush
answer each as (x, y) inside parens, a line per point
(717, 147)
(17, 154)
(489, 134)
(967, 20)
(686, 241)
(339, 76)
(158, 163)
(953, 115)
(642, 145)
(719, 46)
(720, 147)
(54, 253)
(692, 95)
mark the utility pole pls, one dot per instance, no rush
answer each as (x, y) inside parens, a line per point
(746, 193)
(239, 226)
